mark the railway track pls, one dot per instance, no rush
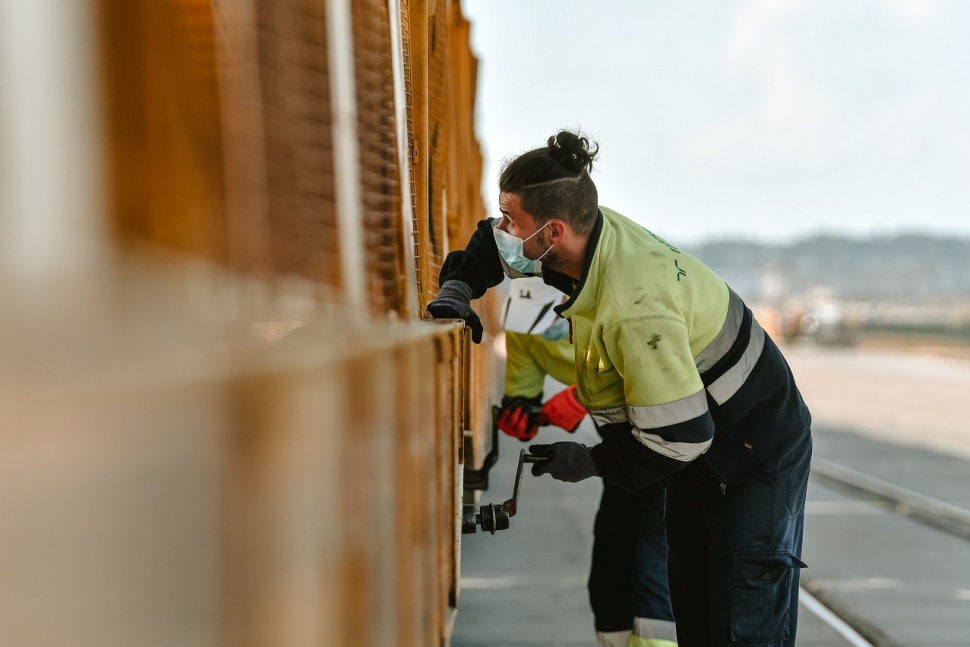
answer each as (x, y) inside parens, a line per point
(903, 502)
(861, 602)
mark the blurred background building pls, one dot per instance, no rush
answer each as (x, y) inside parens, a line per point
(893, 290)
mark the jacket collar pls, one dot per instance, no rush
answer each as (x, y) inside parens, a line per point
(580, 300)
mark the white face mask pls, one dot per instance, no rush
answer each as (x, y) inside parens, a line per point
(510, 248)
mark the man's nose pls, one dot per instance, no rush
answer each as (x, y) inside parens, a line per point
(503, 224)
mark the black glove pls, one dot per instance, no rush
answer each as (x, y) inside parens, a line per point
(570, 462)
(454, 302)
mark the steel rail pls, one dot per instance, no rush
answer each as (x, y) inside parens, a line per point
(905, 503)
(827, 615)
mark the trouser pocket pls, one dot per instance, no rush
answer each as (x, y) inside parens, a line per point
(761, 595)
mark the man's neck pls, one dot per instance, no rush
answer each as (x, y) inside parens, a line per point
(573, 259)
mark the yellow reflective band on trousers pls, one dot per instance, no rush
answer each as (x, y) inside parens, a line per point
(627, 639)
(630, 639)
(651, 632)
(640, 641)
(613, 638)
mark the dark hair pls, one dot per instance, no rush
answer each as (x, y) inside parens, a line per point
(554, 182)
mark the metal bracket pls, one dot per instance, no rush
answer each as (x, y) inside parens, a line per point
(478, 479)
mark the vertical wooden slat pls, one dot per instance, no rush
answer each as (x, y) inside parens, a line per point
(356, 514)
(346, 153)
(284, 551)
(465, 179)
(408, 515)
(418, 21)
(296, 98)
(163, 139)
(438, 136)
(449, 419)
(401, 60)
(455, 441)
(248, 241)
(380, 176)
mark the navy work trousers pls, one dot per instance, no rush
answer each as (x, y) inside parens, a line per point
(628, 576)
(734, 554)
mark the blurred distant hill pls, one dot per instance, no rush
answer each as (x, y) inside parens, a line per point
(915, 267)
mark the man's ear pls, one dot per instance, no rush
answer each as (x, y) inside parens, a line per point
(558, 230)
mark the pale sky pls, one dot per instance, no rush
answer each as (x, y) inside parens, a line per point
(760, 119)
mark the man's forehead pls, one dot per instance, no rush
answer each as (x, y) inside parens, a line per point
(509, 203)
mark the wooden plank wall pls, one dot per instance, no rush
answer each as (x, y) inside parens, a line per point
(203, 440)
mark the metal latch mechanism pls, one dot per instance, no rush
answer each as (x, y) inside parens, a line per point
(478, 479)
(492, 517)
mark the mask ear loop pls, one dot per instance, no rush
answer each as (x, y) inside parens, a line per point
(550, 246)
(546, 252)
(536, 232)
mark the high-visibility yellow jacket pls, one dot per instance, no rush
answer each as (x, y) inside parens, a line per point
(530, 358)
(666, 354)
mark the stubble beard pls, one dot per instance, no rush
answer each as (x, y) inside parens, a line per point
(551, 259)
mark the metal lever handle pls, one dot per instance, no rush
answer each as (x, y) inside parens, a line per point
(492, 517)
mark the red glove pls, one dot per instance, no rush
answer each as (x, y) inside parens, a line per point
(563, 410)
(519, 417)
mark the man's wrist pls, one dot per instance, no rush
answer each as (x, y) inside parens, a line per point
(512, 400)
(596, 457)
(454, 285)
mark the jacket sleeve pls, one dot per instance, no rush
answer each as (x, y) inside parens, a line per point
(478, 265)
(666, 419)
(524, 377)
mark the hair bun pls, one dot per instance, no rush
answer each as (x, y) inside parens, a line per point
(572, 151)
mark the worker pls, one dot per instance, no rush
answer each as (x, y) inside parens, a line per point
(682, 380)
(628, 588)
(536, 343)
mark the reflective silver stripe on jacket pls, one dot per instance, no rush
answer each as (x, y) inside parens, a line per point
(609, 416)
(726, 337)
(657, 415)
(669, 413)
(660, 415)
(728, 384)
(685, 452)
